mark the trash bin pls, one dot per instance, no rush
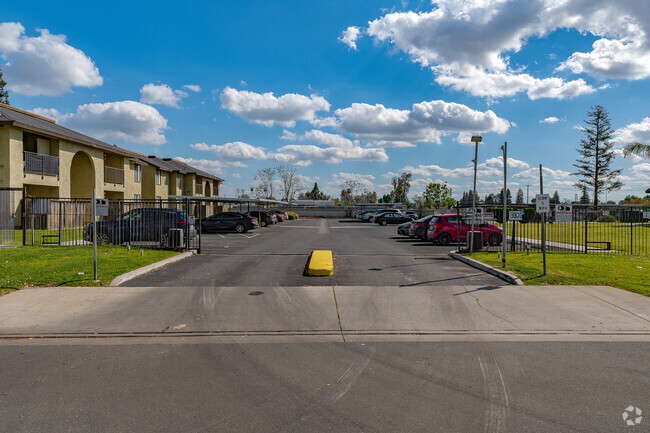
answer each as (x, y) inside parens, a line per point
(176, 238)
(477, 238)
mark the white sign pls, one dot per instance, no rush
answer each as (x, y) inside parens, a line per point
(542, 203)
(101, 206)
(516, 215)
(564, 213)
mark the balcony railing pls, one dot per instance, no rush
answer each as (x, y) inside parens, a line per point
(38, 163)
(198, 187)
(114, 175)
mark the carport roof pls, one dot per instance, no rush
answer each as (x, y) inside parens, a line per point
(377, 204)
(229, 199)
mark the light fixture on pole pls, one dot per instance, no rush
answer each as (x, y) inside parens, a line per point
(476, 139)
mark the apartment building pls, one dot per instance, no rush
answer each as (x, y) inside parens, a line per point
(49, 160)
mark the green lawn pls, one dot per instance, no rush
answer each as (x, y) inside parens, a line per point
(60, 266)
(621, 236)
(625, 272)
(67, 235)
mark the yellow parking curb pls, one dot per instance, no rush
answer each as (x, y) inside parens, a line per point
(320, 263)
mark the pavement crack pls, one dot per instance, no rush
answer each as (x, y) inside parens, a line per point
(612, 304)
(487, 310)
(338, 315)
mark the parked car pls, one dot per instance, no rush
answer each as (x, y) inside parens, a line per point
(366, 215)
(447, 228)
(373, 217)
(392, 218)
(419, 227)
(264, 218)
(280, 215)
(403, 229)
(411, 213)
(225, 221)
(358, 214)
(142, 225)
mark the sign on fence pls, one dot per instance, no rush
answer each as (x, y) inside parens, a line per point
(542, 203)
(516, 215)
(564, 213)
(646, 212)
(101, 206)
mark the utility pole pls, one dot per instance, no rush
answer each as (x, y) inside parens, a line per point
(476, 139)
(541, 191)
(505, 203)
(527, 188)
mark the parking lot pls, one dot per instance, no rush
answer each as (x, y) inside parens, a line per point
(365, 255)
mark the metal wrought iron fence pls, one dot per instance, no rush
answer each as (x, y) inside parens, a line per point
(607, 229)
(159, 224)
(8, 215)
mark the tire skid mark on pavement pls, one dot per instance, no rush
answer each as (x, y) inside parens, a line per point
(496, 396)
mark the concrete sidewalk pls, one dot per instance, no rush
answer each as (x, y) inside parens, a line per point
(327, 311)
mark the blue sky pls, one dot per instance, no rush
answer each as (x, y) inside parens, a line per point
(360, 90)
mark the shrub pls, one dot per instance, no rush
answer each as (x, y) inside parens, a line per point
(606, 219)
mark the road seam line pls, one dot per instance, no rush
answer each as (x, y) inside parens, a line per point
(338, 316)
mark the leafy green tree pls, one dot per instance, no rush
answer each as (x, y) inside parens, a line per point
(499, 197)
(596, 155)
(385, 199)
(4, 94)
(437, 195)
(401, 187)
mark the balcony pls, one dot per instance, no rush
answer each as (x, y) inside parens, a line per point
(198, 188)
(45, 165)
(114, 175)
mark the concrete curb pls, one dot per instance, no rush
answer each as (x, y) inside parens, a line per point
(146, 269)
(487, 268)
(320, 264)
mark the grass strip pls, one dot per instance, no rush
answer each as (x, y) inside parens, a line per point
(69, 266)
(630, 273)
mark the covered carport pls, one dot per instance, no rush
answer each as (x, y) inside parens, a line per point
(236, 204)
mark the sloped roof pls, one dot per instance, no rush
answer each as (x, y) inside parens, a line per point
(174, 165)
(42, 125)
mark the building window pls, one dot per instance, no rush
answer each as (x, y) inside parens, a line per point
(136, 196)
(158, 176)
(137, 173)
(179, 181)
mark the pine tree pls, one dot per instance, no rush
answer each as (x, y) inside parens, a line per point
(584, 197)
(4, 95)
(520, 196)
(556, 197)
(596, 155)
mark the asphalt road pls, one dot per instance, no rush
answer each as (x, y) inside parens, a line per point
(400, 339)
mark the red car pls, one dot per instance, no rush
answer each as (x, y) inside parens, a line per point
(279, 215)
(446, 230)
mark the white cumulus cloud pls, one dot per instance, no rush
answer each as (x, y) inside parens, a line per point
(161, 94)
(552, 119)
(207, 165)
(193, 87)
(234, 152)
(45, 64)
(124, 120)
(426, 122)
(268, 110)
(349, 37)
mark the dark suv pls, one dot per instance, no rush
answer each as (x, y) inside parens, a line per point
(143, 225)
(228, 221)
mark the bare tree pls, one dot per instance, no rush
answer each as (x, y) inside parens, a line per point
(348, 192)
(290, 182)
(265, 182)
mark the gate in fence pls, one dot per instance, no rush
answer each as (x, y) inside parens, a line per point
(8, 215)
(607, 229)
(159, 224)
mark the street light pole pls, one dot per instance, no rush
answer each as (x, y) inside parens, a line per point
(476, 139)
(505, 203)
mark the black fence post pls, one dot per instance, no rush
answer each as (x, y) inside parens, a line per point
(24, 216)
(199, 249)
(458, 224)
(585, 213)
(512, 238)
